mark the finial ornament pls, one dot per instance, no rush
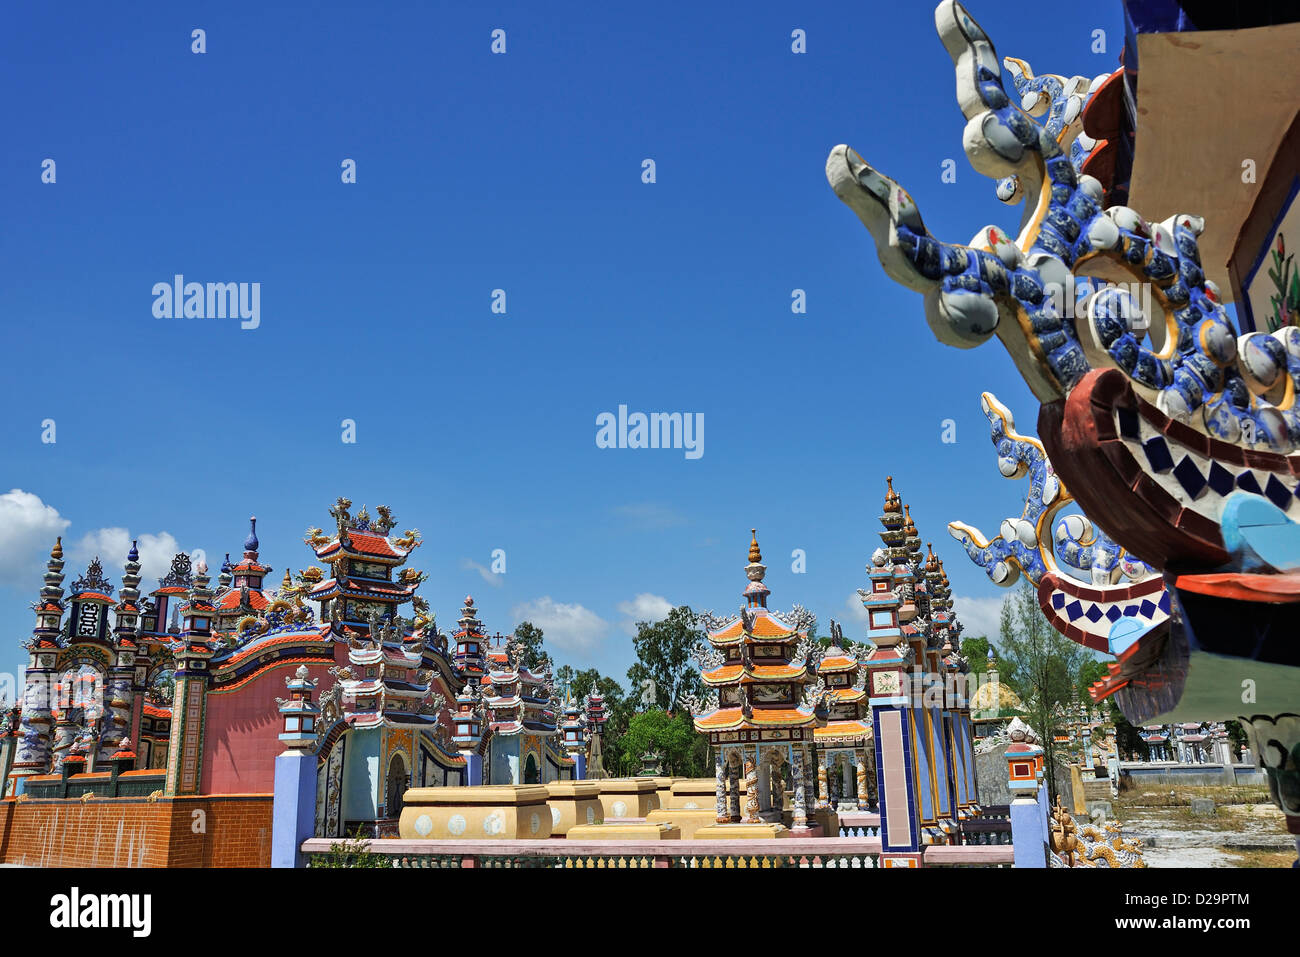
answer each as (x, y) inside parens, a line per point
(57, 550)
(754, 554)
(893, 501)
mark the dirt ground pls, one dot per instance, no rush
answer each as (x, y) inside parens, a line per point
(1245, 830)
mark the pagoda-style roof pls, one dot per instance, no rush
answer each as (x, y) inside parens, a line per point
(360, 536)
(731, 719)
(365, 545)
(733, 673)
(362, 588)
(93, 597)
(230, 600)
(767, 626)
(847, 731)
(755, 627)
(835, 663)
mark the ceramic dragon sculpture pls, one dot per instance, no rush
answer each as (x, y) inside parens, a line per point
(1104, 367)
(1089, 587)
(1173, 431)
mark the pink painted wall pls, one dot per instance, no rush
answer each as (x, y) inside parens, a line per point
(241, 736)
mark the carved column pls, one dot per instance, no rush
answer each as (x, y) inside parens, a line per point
(800, 812)
(751, 788)
(823, 796)
(860, 759)
(720, 785)
(777, 783)
(733, 786)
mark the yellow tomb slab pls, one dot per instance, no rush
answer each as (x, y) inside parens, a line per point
(686, 820)
(628, 797)
(490, 812)
(740, 832)
(691, 794)
(573, 803)
(623, 832)
(663, 787)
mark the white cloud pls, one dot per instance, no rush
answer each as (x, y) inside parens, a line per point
(493, 579)
(644, 607)
(28, 528)
(979, 616)
(857, 612)
(110, 546)
(649, 515)
(565, 627)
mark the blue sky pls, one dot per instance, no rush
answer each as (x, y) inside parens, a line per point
(475, 172)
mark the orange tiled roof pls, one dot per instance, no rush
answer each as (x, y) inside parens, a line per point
(364, 544)
(848, 695)
(837, 663)
(729, 673)
(765, 626)
(231, 599)
(728, 719)
(842, 729)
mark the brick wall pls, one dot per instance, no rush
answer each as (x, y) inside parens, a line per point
(227, 831)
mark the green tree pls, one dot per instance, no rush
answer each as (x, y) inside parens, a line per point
(671, 735)
(663, 651)
(530, 636)
(1091, 671)
(1046, 666)
(976, 652)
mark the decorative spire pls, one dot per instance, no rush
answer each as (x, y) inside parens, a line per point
(756, 592)
(893, 502)
(251, 543)
(57, 551)
(127, 609)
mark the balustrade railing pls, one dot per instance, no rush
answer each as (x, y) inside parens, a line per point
(815, 853)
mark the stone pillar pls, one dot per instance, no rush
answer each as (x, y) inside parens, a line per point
(1028, 804)
(138, 692)
(37, 724)
(733, 787)
(751, 789)
(66, 725)
(8, 744)
(823, 795)
(293, 807)
(189, 703)
(799, 815)
(474, 768)
(860, 764)
(720, 785)
(776, 783)
(117, 704)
